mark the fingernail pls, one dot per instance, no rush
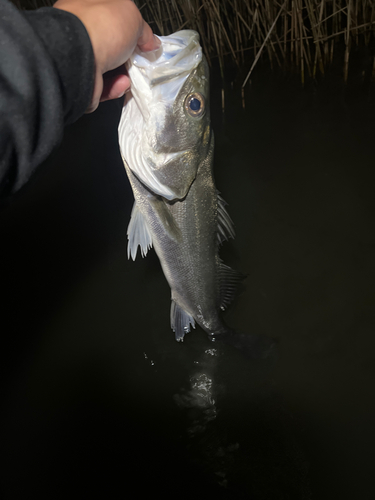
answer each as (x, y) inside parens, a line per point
(123, 93)
(157, 41)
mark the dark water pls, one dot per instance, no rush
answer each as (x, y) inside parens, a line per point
(98, 398)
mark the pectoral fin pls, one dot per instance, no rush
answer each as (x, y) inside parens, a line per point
(138, 234)
(180, 321)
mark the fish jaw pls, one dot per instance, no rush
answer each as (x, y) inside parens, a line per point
(162, 145)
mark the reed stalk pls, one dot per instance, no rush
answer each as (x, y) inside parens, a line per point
(300, 33)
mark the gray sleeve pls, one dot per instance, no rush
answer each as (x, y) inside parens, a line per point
(46, 81)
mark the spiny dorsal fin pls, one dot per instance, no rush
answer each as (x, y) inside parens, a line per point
(225, 226)
(138, 234)
(229, 282)
(180, 321)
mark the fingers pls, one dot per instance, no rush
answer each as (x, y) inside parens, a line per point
(111, 47)
(148, 41)
(115, 84)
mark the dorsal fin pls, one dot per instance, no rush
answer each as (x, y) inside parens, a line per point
(229, 282)
(180, 321)
(225, 226)
(138, 234)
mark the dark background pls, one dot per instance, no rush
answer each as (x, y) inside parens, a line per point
(98, 398)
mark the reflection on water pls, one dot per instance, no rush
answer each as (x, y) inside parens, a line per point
(199, 398)
(150, 361)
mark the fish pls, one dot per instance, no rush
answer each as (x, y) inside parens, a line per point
(167, 146)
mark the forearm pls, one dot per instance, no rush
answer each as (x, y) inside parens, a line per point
(46, 81)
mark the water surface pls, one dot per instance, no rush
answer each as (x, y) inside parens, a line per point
(98, 398)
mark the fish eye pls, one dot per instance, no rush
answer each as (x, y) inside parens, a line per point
(194, 104)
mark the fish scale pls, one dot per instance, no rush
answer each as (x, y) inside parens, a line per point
(177, 208)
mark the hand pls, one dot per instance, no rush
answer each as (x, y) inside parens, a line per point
(115, 28)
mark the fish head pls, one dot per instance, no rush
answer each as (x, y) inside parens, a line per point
(164, 131)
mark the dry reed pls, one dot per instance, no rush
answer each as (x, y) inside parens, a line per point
(298, 33)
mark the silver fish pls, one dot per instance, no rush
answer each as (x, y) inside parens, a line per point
(167, 147)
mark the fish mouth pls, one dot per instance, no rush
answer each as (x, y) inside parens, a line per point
(163, 72)
(178, 55)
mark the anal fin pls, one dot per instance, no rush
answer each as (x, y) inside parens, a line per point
(138, 234)
(229, 282)
(180, 321)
